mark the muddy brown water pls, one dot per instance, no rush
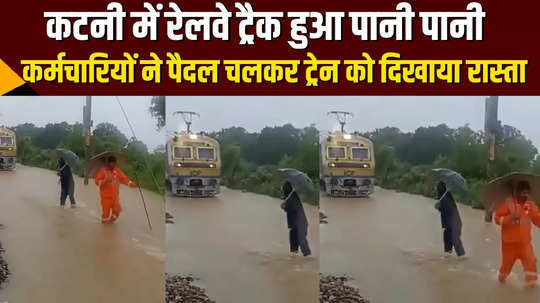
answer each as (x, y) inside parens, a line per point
(237, 245)
(67, 255)
(391, 245)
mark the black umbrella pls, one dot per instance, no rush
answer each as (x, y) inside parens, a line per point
(453, 180)
(299, 180)
(69, 157)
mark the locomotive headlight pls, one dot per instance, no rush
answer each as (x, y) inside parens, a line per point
(193, 136)
(365, 165)
(11, 148)
(347, 137)
(178, 164)
(211, 165)
(332, 164)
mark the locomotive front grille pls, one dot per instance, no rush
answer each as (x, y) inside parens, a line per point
(196, 182)
(349, 182)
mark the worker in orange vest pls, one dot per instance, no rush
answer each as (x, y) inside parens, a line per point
(515, 216)
(108, 179)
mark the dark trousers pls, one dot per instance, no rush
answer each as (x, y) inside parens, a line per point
(452, 240)
(298, 238)
(68, 189)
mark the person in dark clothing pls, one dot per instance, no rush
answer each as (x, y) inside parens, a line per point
(450, 220)
(67, 183)
(296, 220)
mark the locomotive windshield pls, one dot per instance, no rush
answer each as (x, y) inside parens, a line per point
(336, 152)
(206, 153)
(182, 152)
(360, 154)
(6, 140)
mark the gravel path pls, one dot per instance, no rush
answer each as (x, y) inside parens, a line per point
(4, 271)
(333, 289)
(179, 289)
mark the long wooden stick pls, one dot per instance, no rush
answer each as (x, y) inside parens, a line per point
(142, 199)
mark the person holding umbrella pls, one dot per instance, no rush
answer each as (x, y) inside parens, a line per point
(296, 220)
(450, 221)
(67, 160)
(515, 216)
(449, 181)
(108, 178)
(67, 184)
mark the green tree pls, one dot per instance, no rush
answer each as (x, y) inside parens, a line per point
(384, 157)
(468, 154)
(250, 160)
(50, 136)
(404, 160)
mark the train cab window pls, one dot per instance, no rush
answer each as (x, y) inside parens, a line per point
(360, 153)
(205, 153)
(6, 140)
(182, 152)
(336, 152)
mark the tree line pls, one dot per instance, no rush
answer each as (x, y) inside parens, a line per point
(250, 159)
(404, 159)
(36, 146)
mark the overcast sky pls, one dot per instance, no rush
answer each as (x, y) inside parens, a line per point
(254, 113)
(406, 113)
(44, 110)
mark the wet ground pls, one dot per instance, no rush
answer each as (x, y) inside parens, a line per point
(237, 245)
(66, 255)
(391, 245)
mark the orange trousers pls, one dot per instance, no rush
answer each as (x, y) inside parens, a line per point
(522, 252)
(109, 207)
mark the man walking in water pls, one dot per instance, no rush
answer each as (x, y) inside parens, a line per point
(108, 179)
(450, 221)
(296, 220)
(67, 183)
(515, 216)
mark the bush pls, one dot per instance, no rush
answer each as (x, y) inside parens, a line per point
(475, 192)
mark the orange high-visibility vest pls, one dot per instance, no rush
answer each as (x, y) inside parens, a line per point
(110, 191)
(520, 231)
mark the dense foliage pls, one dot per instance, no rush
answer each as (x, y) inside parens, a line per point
(37, 145)
(404, 160)
(250, 160)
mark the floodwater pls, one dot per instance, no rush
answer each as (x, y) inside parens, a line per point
(67, 255)
(237, 245)
(391, 245)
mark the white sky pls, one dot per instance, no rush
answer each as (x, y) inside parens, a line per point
(406, 113)
(41, 110)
